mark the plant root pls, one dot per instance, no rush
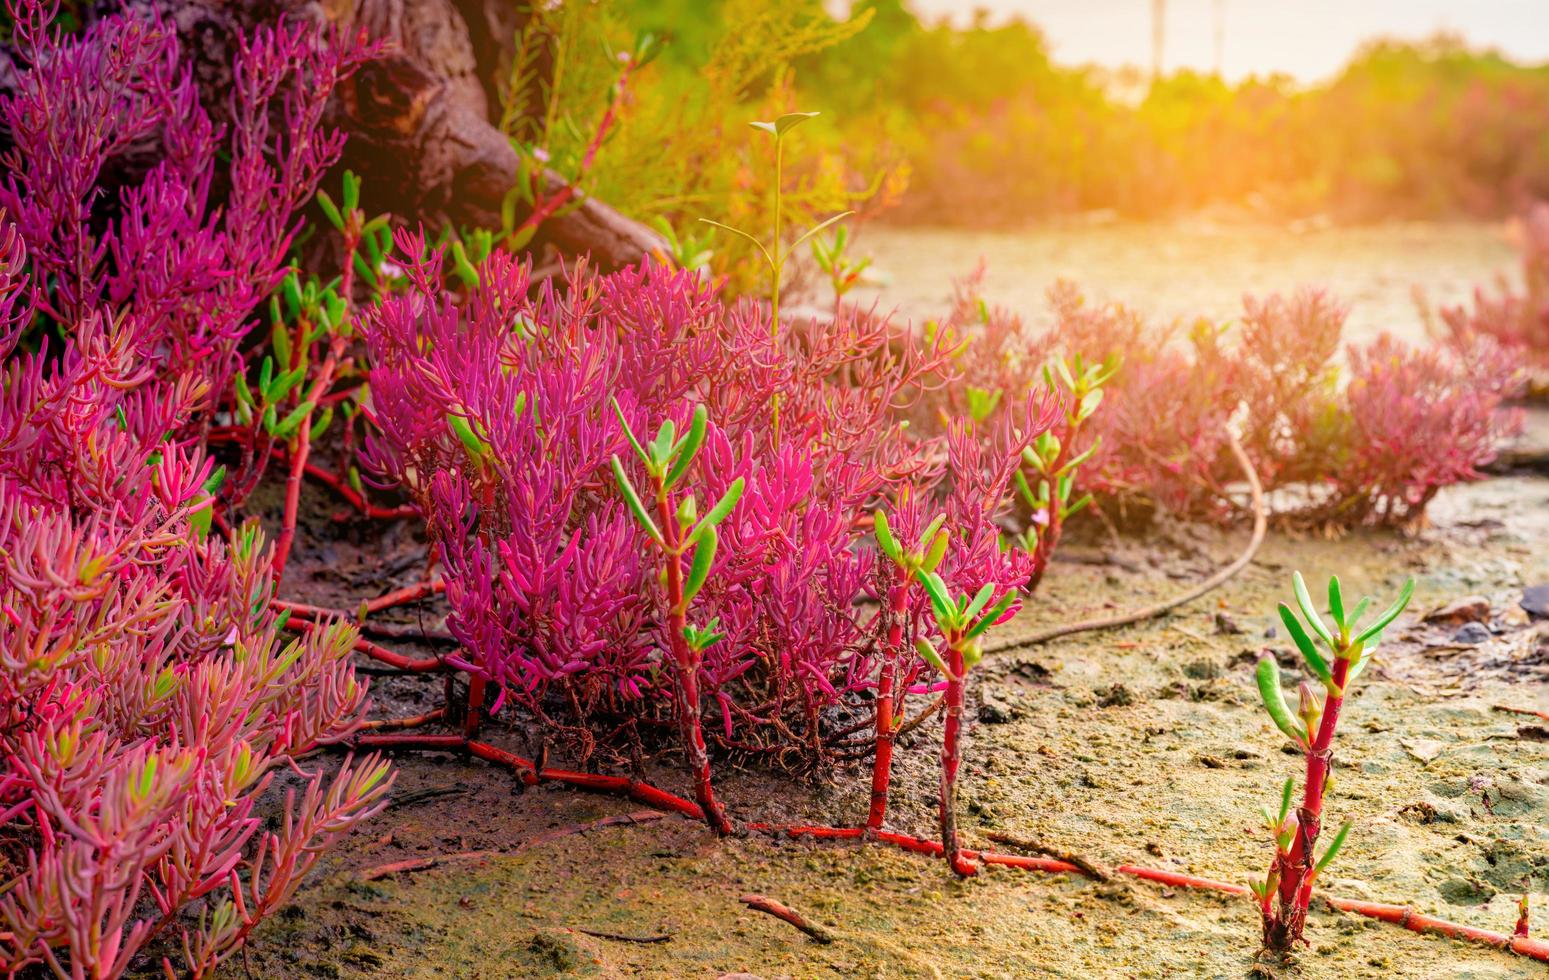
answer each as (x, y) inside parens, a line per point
(658, 799)
(1221, 577)
(665, 937)
(787, 914)
(1091, 869)
(1522, 711)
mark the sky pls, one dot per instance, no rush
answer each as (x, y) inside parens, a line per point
(1308, 39)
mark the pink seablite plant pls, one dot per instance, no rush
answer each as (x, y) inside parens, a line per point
(1372, 446)
(593, 591)
(1517, 319)
(146, 701)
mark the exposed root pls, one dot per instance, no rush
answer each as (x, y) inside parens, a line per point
(531, 774)
(787, 914)
(1090, 868)
(1522, 711)
(665, 937)
(1221, 577)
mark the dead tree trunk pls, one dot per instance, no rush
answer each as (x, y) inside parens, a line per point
(419, 117)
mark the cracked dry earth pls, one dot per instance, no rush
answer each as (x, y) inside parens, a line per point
(1143, 745)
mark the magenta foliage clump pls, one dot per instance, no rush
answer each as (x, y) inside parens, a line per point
(185, 256)
(147, 703)
(1515, 317)
(1370, 444)
(495, 410)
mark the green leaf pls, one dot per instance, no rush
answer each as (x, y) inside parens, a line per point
(989, 619)
(1390, 614)
(351, 190)
(704, 556)
(936, 551)
(633, 500)
(1285, 799)
(885, 539)
(463, 428)
(941, 602)
(688, 447)
(783, 124)
(320, 424)
(929, 655)
(630, 433)
(330, 210)
(927, 536)
(737, 231)
(819, 227)
(279, 338)
(1304, 643)
(1336, 603)
(1077, 461)
(1303, 599)
(288, 425)
(718, 513)
(1079, 505)
(1334, 846)
(979, 599)
(1268, 675)
(1089, 403)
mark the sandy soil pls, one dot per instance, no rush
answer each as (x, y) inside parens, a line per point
(1144, 745)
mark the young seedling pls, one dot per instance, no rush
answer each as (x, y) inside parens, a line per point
(1286, 892)
(923, 557)
(687, 543)
(776, 254)
(962, 622)
(832, 256)
(1052, 461)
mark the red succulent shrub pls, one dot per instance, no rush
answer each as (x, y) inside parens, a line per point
(147, 702)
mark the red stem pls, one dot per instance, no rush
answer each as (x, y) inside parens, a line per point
(686, 659)
(882, 763)
(374, 651)
(1283, 927)
(951, 754)
(648, 795)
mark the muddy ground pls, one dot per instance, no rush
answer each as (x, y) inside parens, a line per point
(1143, 745)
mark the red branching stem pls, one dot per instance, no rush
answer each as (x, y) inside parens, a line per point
(659, 799)
(882, 762)
(399, 724)
(397, 597)
(1415, 921)
(354, 499)
(548, 205)
(375, 651)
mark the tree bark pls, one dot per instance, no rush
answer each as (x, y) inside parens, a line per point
(419, 117)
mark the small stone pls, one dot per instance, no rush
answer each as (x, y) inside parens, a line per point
(1471, 634)
(1202, 670)
(1226, 624)
(1469, 609)
(995, 711)
(1535, 599)
(1117, 696)
(1424, 749)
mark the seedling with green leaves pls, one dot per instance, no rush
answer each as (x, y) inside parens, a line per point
(686, 541)
(776, 254)
(1336, 658)
(832, 257)
(904, 563)
(962, 621)
(1053, 461)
